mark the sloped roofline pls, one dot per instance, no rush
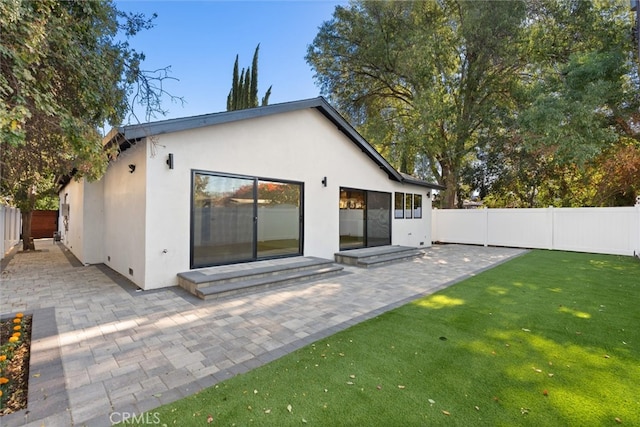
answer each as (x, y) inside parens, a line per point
(124, 136)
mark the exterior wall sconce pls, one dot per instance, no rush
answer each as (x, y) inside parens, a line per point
(324, 181)
(132, 168)
(428, 194)
(170, 161)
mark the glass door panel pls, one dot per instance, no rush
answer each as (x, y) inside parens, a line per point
(378, 218)
(223, 219)
(278, 218)
(352, 217)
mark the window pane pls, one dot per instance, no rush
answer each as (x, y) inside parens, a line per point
(408, 205)
(222, 219)
(417, 205)
(278, 218)
(399, 205)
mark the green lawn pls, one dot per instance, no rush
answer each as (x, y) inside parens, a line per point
(547, 339)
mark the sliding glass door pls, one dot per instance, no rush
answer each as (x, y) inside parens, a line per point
(378, 218)
(236, 219)
(365, 218)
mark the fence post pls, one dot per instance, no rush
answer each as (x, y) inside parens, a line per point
(3, 229)
(552, 212)
(434, 225)
(9, 228)
(486, 226)
(636, 250)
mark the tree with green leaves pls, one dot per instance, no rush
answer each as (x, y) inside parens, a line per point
(64, 75)
(577, 108)
(426, 82)
(244, 86)
(513, 99)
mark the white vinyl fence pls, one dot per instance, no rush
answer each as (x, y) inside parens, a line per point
(10, 225)
(596, 230)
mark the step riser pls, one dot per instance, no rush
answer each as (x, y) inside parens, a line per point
(251, 275)
(367, 258)
(187, 285)
(346, 260)
(267, 286)
(353, 260)
(386, 262)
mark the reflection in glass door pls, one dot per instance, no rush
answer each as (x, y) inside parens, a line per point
(222, 219)
(279, 221)
(365, 218)
(236, 219)
(352, 216)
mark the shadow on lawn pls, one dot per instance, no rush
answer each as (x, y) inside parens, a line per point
(557, 345)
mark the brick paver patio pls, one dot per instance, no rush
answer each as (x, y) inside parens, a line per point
(100, 348)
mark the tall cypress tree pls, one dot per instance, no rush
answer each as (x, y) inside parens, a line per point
(253, 85)
(232, 99)
(244, 87)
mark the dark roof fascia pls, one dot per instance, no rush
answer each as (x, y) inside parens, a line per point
(416, 181)
(175, 125)
(61, 181)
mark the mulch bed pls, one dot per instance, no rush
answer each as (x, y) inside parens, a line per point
(16, 366)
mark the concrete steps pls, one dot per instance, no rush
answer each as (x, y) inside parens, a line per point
(239, 279)
(377, 256)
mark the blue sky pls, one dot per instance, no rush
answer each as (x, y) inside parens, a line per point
(200, 40)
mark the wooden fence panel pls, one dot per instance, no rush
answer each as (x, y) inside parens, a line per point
(44, 224)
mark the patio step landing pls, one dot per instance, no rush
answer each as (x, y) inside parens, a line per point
(377, 256)
(239, 279)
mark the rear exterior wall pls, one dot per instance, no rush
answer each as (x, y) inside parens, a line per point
(146, 214)
(299, 146)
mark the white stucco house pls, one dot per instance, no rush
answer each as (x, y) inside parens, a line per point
(282, 180)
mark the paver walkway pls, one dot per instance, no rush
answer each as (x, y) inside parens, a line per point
(102, 349)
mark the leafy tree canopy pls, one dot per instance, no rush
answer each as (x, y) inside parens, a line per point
(476, 93)
(64, 74)
(577, 109)
(424, 80)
